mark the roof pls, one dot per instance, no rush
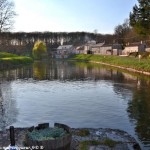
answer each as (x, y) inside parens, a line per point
(91, 42)
(100, 44)
(117, 46)
(65, 47)
(80, 48)
(134, 44)
(107, 45)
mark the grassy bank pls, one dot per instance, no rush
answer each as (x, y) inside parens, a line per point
(8, 60)
(127, 62)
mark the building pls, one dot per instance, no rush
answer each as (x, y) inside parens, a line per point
(134, 47)
(64, 51)
(80, 50)
(103, 49)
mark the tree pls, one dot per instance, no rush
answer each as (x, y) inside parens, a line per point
(7, 15)
(39, 50)
(140, 17)
(121, 31)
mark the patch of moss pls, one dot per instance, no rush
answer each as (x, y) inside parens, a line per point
(108, 142)
(46, 134)
(84, 144)
(83, 132)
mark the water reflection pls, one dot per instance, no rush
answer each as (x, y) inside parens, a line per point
(132, 88)
(8, 110)
(39, 70)
(139, 111)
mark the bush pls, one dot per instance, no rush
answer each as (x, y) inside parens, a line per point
(39, 50)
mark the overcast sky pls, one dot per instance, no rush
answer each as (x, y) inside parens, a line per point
(71, 15)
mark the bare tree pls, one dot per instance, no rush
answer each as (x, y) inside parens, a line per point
(121, 31)
(7, 15)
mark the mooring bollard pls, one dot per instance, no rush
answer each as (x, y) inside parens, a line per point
(12, 136)
(140, 56)
(12, 145)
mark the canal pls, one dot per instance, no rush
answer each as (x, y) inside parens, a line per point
(77, 94)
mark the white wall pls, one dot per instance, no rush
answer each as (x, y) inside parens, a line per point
(130, 49)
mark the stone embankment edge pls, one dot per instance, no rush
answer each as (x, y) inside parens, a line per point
(121, 67)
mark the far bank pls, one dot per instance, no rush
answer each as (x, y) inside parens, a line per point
(129, 63)
(8, 60)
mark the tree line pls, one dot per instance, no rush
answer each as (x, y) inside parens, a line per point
(133, 29)
(8, 40)
(137, 26)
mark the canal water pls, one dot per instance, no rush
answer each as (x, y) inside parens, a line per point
(76, 94)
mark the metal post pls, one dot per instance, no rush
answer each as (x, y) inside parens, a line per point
(12, 136)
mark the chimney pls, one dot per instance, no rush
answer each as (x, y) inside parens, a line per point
(61, 41)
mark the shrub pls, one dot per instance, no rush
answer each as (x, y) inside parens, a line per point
(39, 50)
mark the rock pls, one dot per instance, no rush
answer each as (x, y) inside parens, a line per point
(102, 133)
(136, 146)
(31, 129)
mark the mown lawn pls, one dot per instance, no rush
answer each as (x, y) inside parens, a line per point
(129, 62)
(4, 54)
(11, 60)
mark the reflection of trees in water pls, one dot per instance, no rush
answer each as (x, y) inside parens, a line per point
(13, 74)
(123, 83)
(39, 70)
(62, 70)
(139, 110)
(8, 111)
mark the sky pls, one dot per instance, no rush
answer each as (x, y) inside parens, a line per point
(71, 15)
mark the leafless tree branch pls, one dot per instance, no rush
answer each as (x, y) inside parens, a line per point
(7, 15)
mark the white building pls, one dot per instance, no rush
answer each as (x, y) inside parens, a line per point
(134, 47)
(64, 51)
(103, 49)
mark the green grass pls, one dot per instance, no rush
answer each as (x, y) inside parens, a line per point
(136, 54)
(4, 54)
(131, 62)
(107, 142)
(16, 60)
(84, 144)
(8, 60)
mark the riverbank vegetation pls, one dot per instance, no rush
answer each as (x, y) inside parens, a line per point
(127, 62)
(8, 60)
(39, 51)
